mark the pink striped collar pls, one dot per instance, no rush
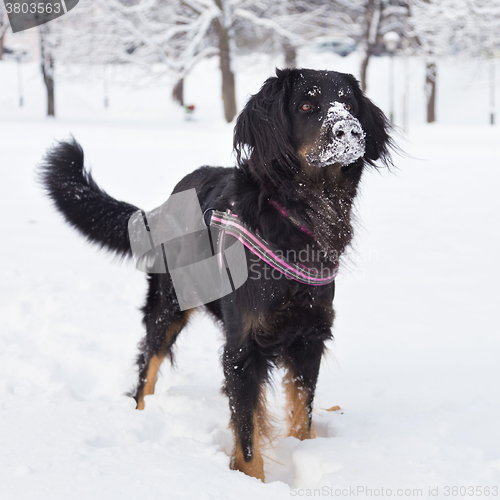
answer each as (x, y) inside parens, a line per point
(231, 225)
(286, 213)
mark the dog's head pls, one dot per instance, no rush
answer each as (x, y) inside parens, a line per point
(303, 119)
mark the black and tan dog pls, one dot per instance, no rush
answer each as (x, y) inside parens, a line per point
(301, 144)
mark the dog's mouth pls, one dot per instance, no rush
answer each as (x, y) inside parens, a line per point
(341, 141)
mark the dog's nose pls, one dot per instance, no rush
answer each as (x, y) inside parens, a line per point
(346, 130)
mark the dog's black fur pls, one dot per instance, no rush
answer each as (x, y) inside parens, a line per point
(268, 321)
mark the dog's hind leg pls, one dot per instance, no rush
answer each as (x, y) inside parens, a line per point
(302, 360)
(245, 370)
(164, 321)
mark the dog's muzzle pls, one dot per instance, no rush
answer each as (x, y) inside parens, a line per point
(348, 130)
(342, 139)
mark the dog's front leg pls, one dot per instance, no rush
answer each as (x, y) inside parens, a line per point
(245, 370)
(302, 361)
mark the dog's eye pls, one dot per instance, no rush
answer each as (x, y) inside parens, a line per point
(348, 106)
(306, 107)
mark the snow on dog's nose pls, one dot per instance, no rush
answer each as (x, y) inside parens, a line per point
(345, 139)
(349, 130)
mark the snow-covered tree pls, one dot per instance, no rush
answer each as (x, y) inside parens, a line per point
(457, 27)
(161, 36)
(446, 28)
(48, 42)
(482, 31)
(171, 36)
(370, 20)
(291, 23)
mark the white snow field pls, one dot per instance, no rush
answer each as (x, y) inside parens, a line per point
(415, 361)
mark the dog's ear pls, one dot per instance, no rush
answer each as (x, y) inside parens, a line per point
(378, 142)
(262, 132)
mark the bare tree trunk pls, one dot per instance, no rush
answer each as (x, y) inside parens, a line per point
(228, 83)
(178, 92)
(49, 82)
(430, 91)
(47, 64)
(364, 69)
(373, 17)
(290, 54)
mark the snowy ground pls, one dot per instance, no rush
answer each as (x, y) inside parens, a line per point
(414, 365)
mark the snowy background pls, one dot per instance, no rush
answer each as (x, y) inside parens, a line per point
(415, 361)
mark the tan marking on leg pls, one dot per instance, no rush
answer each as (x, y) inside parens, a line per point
(255, 467)
(157, 359)
(262, 430)
(174, 329)
(151, 378)
(297, 415)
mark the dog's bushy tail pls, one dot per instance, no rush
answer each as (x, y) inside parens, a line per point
(85, 206)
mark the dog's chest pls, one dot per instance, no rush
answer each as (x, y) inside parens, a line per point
(281, 310)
